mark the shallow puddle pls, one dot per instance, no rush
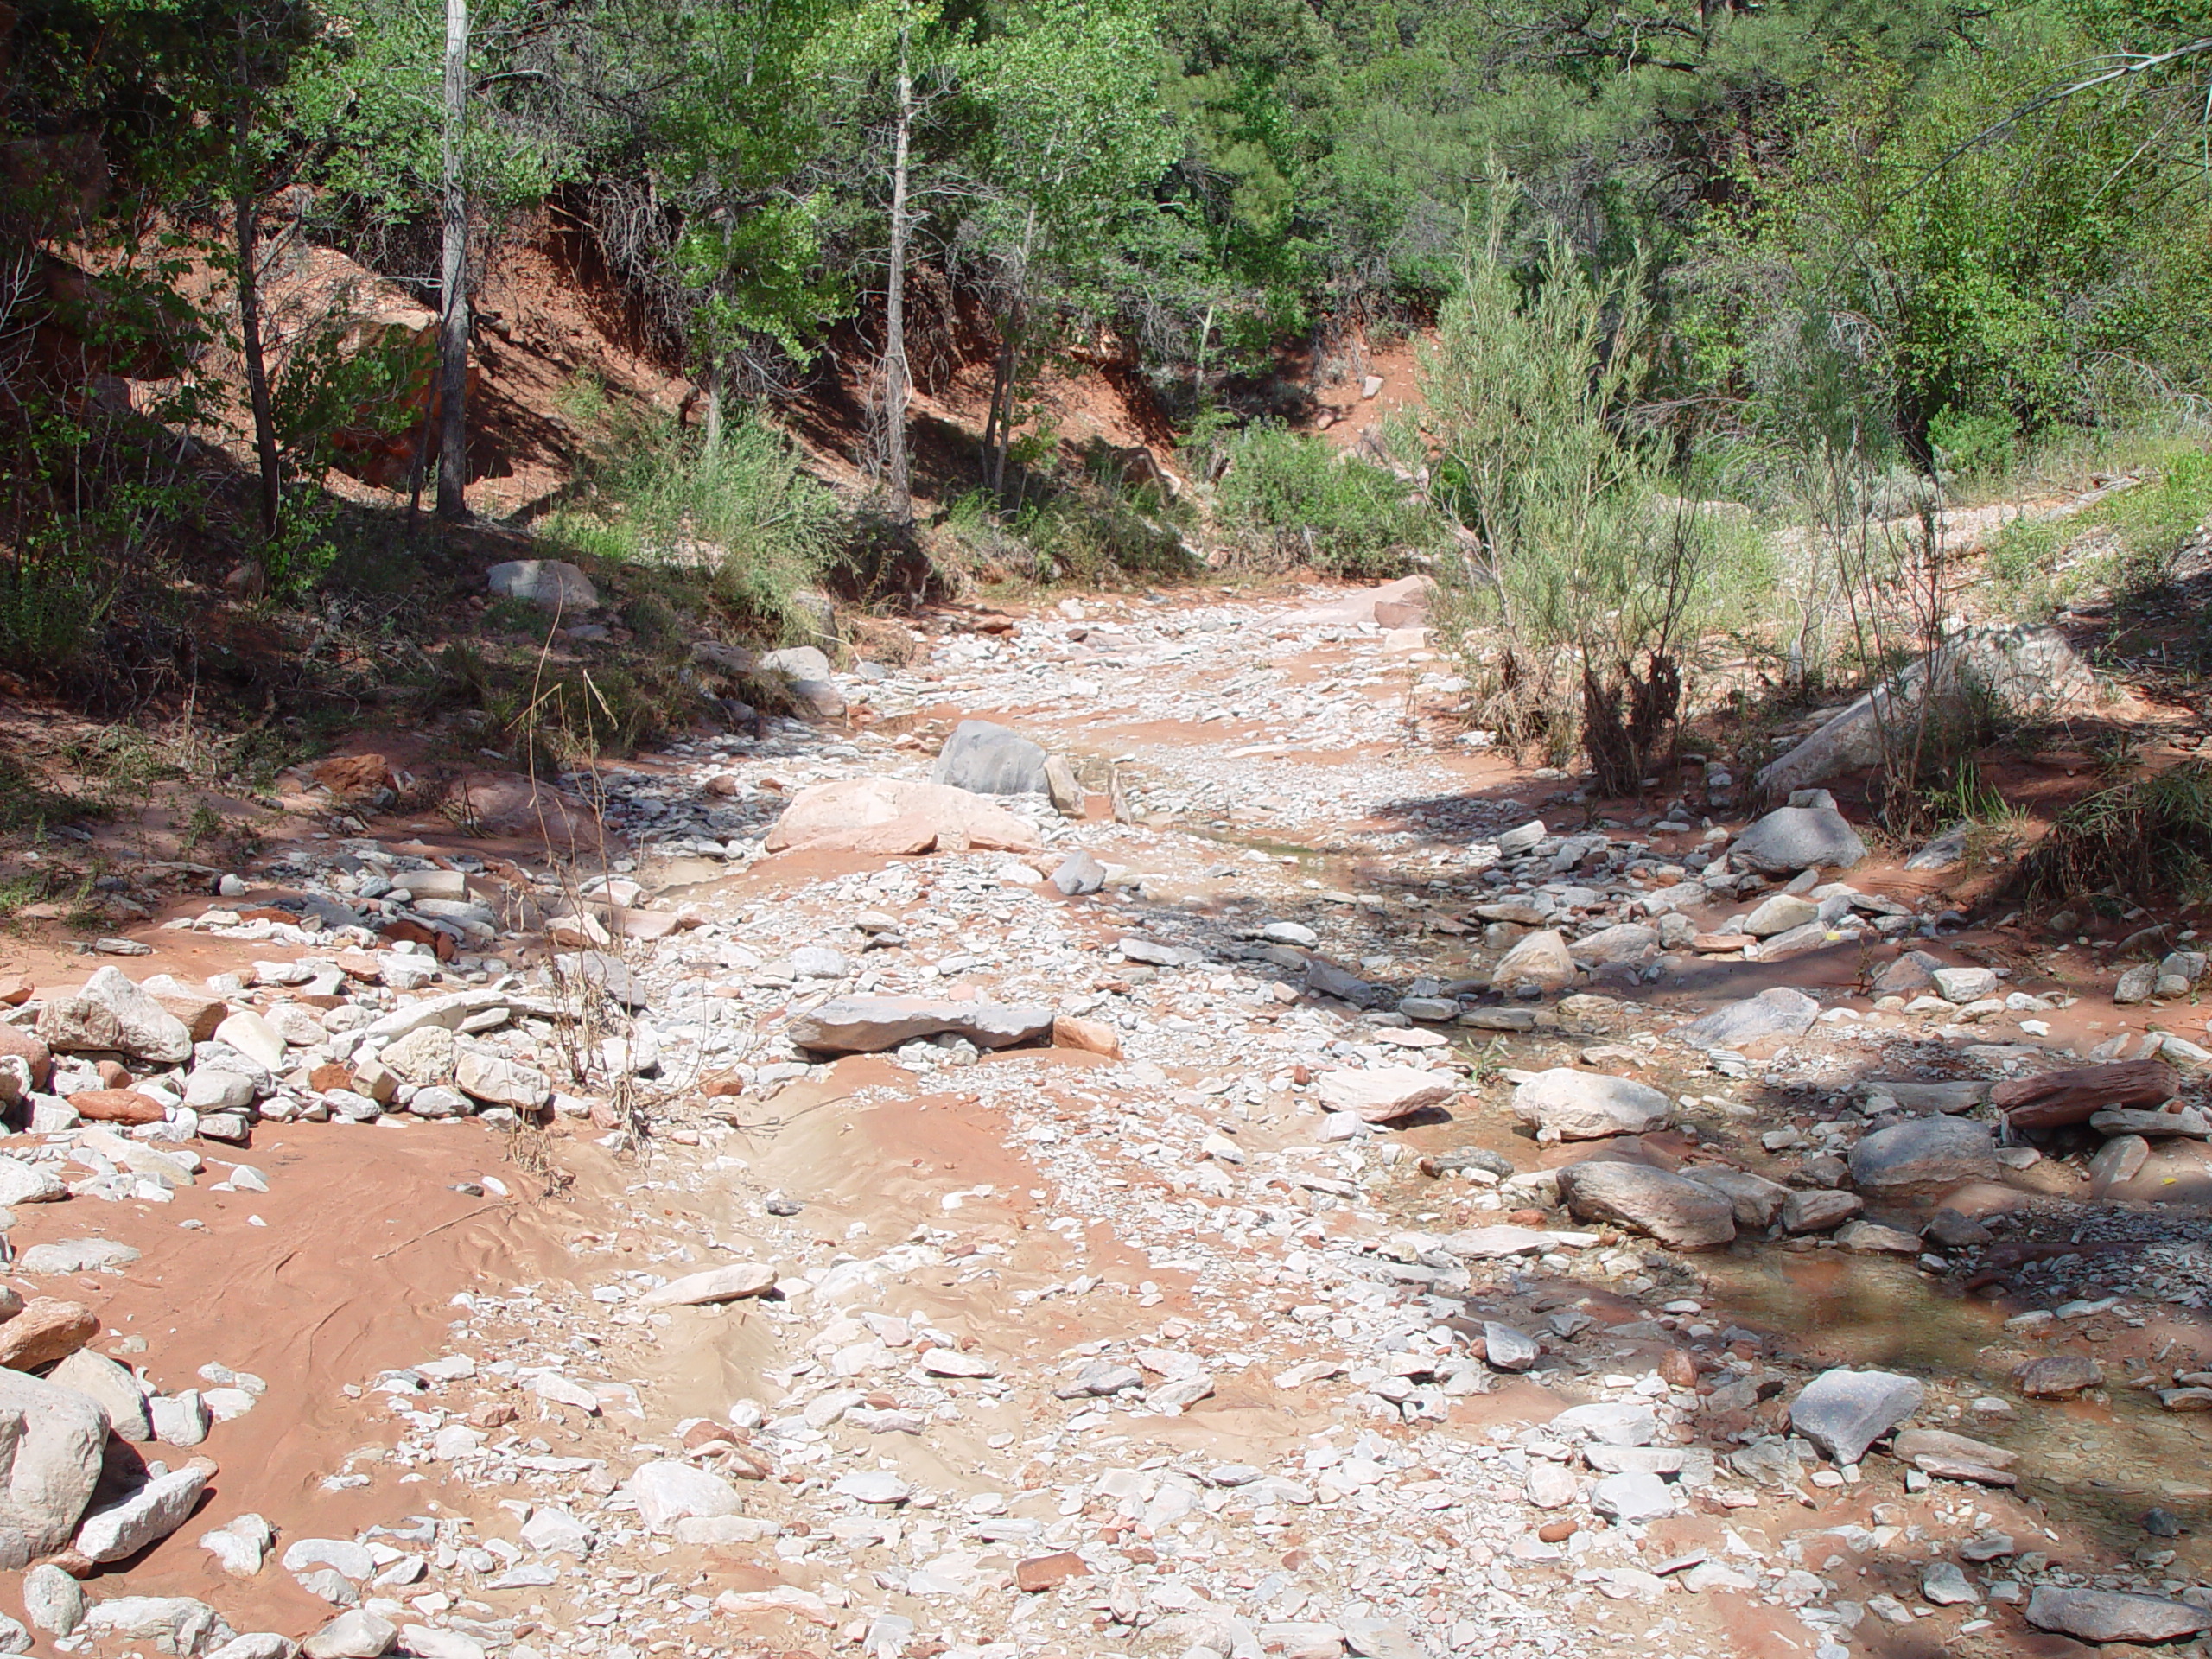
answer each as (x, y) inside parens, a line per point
(2097, 1466)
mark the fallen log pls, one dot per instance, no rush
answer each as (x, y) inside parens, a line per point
(2080, 1092)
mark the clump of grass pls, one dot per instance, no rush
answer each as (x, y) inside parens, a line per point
(27, 802)
(2147, 841)
(745, 515)
(2126, 543)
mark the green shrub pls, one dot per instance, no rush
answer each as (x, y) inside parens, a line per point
(748, 515)
(1289, 498)
(1970, 445)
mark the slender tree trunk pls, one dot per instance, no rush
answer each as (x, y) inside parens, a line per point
(999, 437)
(453, 330)
(245, 209)
(897, 477)
(715, 408)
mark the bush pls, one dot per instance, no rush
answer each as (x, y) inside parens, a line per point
(748, 514)
(1289, 498)
(2146, 841)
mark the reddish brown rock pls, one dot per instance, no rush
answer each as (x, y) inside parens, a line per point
(113, 1074)
(493, 1413)
(46, 1330)
(1556, 1532)
(14, 991)
(2080, 1092)
(1043, 1571)
(201, 1014)
(117, 1106)
(1092, 1036)
(14, 1040)
(328, 1077)
(359, 964)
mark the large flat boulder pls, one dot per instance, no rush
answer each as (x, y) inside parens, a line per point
(869, 1025)
(1589, 1105)
(1382, 1094)
(2030, 671)
(987, 758)
(550, 584)
(895, 815)
(2102, 1616)
(1924, 1153)
(1794, 838)
(1678, 1212)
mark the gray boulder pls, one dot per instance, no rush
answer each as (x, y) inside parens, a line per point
(2102, 1616)
(51, 1441)
(1677, 1211)
(1794, 838)
(1924, 1152)
(2030, 671)
(1844, 1412)
(1079, 873)
(1779, 914)
(1588, 1105)
(550, 584)
(798, 662)
(987, 758)
(1783, 1011)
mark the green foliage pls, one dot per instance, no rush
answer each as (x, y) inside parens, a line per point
(747, 516)
(1289, 498)
(2147, 841)
(2128, 541)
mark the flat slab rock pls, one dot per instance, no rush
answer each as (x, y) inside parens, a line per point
(1589, 1105)
(1382, 1093)
(869, 1025)
(2112, 1616)
(896, 815)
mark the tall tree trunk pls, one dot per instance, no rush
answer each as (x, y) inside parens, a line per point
(453, 330)
(245, 209)
(998, 432)
(897, 478)
(714, 445)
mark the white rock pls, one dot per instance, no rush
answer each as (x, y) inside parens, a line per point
(667, 1490)
(240, 1546)
(153, 1512)
(715, 1285)
(355, 1633)
(54, 1601)
(253, 1037)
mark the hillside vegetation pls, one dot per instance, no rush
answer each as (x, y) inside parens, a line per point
(1816, 264)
